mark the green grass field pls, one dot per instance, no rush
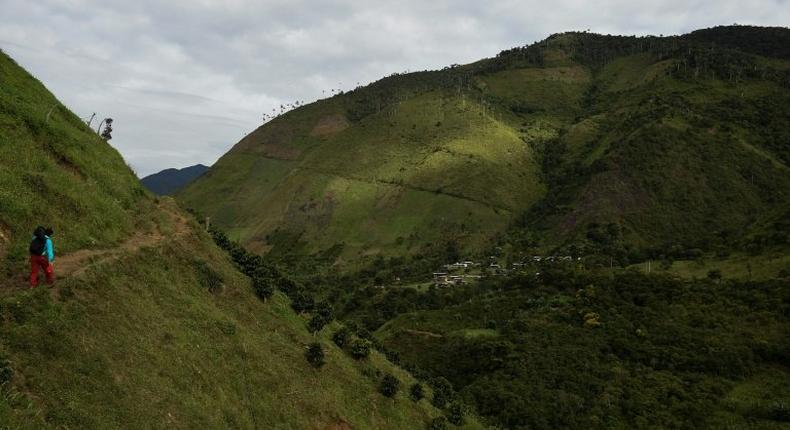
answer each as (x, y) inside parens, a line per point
(374, 190)
(743, 267)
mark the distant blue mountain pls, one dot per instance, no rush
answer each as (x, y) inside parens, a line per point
(169, 181)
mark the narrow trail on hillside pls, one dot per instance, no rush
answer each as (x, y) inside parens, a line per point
(423, 333)
(78, 262)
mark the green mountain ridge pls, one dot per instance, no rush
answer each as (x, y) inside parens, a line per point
(672, 141)
(169, 181)
(149, 323)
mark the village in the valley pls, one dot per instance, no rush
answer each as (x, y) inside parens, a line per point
(462, 272)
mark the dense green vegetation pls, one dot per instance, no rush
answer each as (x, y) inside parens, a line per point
(569, 350)
(151, 324)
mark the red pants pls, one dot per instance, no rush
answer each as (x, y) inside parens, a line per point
(42, 262)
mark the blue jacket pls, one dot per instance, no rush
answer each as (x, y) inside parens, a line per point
(49, 249)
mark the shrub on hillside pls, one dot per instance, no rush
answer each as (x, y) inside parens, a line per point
(416, 392)
(287, 286)
(438, 423)
(455, 414)
(389, 385)
(442, 392)
(263, 288)
(391, 355)
(325, 311)
(208, 277)
(341, 337)
(301, 301)
(316, 323)
(315, 354)
(360, 348)
(6, 372)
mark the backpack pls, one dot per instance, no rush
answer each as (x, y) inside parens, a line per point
(39, 243)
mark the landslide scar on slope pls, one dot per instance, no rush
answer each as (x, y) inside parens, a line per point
(273, 140)
(329, 125)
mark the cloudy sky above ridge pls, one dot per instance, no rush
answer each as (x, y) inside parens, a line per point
(186, 79)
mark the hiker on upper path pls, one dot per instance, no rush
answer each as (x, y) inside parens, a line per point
(42, 254)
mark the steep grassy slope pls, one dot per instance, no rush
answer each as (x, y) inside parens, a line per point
(140, 342)
(670, 141)
(55, 171)
(434, 170)
(152, 326)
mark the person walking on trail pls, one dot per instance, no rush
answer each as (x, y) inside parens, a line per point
(42, 254)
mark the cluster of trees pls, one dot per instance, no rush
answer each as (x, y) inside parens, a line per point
(726, 64)
(573, 350)
(266, 278)
(444, 398)
(709, 52)
(284, 108)
(651, 326)
(765, 41)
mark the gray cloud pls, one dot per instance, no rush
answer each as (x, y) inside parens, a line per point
(184, 80)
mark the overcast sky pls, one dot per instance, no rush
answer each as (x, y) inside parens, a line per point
(186, 79)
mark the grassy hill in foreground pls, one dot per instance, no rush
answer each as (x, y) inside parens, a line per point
(150, 325)
(617, 145)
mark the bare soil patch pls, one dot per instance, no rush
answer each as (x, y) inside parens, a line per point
(423, 333)
(330, 125)
(340, 425)
(5, 239)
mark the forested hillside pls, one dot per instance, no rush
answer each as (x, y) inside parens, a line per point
(568, 349)
(150, 324)
(628, 147)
